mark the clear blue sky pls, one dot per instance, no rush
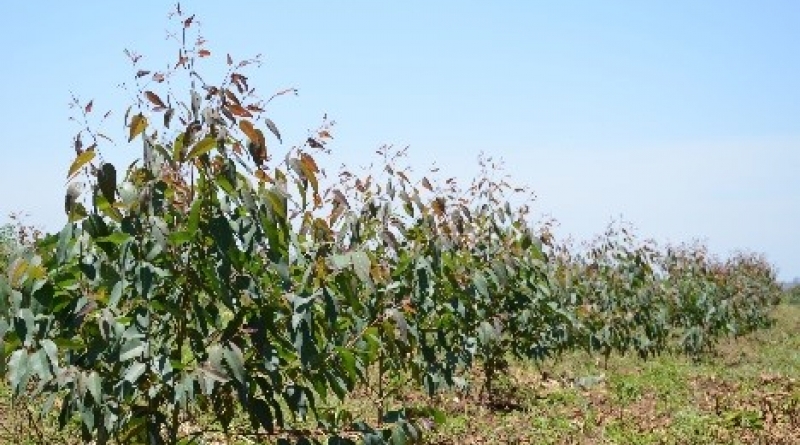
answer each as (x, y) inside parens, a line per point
(682, 117)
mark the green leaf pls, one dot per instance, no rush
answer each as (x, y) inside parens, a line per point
(93, 384)
(72, 344)
(18, 370)
(235, 359)
(131, 349)
(202, 147)
(64, 243)
(38, 365)
(263, 414)
(107, 181)
(79, 162)
(135, 371)
(144, 280)
(349, 362)
(181, 237)
(359, 260)
(177, 148)
(115, 238)
(481, 285)
(116, 294)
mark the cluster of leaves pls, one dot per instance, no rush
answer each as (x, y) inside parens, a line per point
(16, 236)
(632, 296)
(7, 244)
(793, 294)
(214, 276)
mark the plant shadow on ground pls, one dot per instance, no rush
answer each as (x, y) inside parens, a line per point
(747, 392)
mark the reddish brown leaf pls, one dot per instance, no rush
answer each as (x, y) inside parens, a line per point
(153, 97)
(188, 22)
(204, 53)
(240, 81)
(309, 162)
(88, 107)
(232, 97)
(247, 128)
(263, 176)
(313, 143)
(239, 110)
(438, 206)
(181, 59)
(257, 152)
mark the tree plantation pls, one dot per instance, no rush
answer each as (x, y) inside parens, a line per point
(220, 276)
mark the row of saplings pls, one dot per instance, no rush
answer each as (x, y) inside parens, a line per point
(442, 289)
(213, 277)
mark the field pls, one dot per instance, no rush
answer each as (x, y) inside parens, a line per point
(228, 289)
(745, 393)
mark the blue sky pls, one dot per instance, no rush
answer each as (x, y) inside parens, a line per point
(682, 117)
